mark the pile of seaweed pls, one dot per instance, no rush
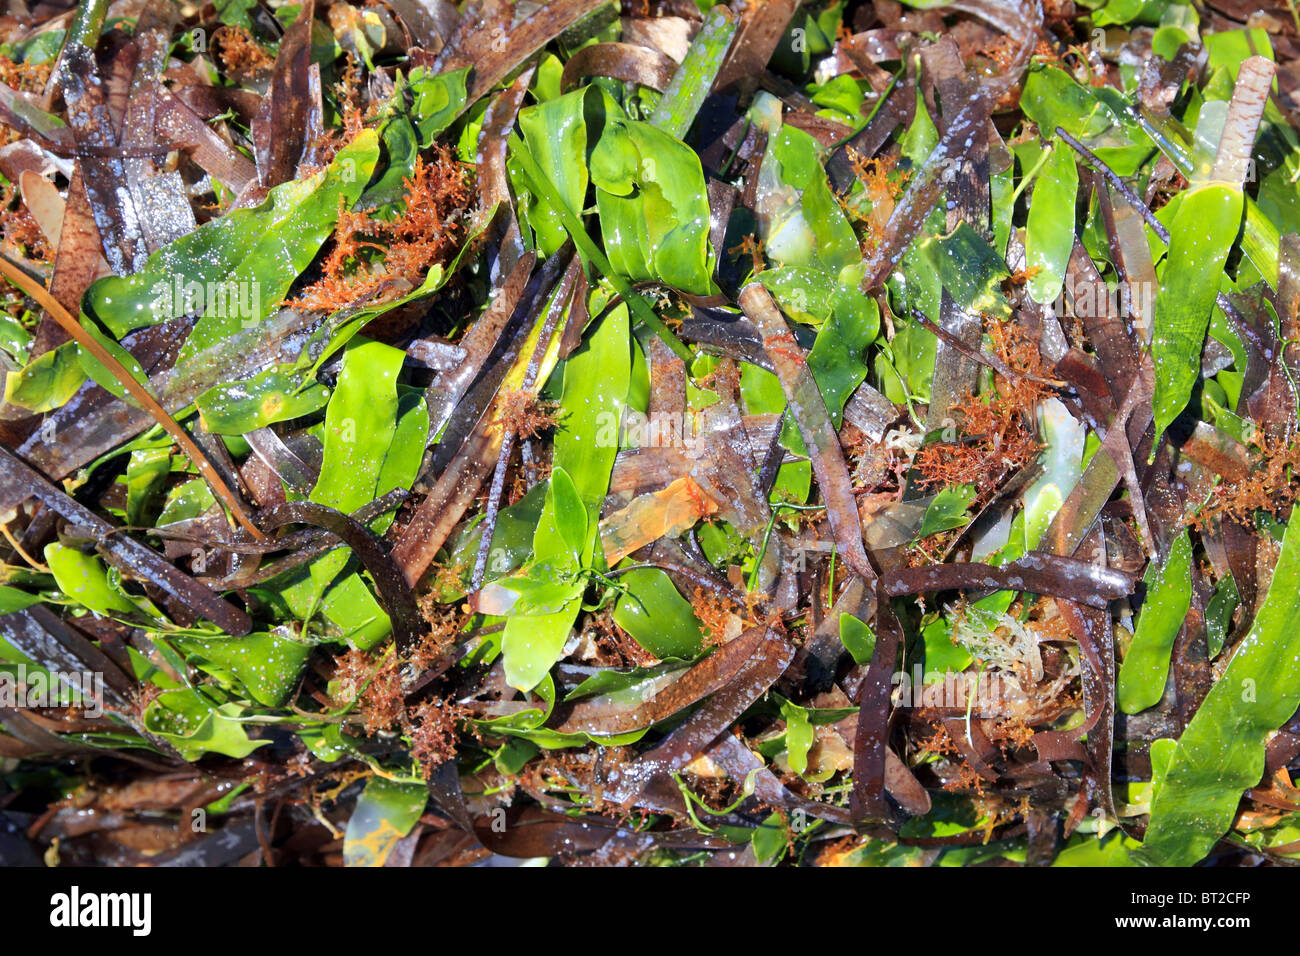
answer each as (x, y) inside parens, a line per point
(660, 433)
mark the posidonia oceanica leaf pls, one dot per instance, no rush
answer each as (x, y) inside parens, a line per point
(1200, 238)
(1145, 667)
(694, 78)
(385, 812)
(1049, 231)
(1221, 753)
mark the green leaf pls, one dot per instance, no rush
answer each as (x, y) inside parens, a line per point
(1200, 238)
(235, 270)
(596, 379)
(570, 512)
(268, 666)
(273, 395)
(1218, 614)
(146, 471)
(943, 655)
(187, 500)
(654, 210)
(1221, 753)
(360, 426)
(556, 135)
(1049, 231)
(798, 736)
(970, 269)
(235, 12)
(12, 599)
(656, 615)
(947, 510)
(84, 578)
(385, 812)
(374, 440)
(1145, 667)
(47, 381)
(858, 638)
(422, 106)
(1086, 850)
(439, 99)
(838, 356)
(770, 840)
(194, 725)
(1097, 118)
(627, 684)
(547, 593)
(512, 541)
(806, 226)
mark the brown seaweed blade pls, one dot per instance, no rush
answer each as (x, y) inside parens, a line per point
(768, 658)
(279, 133)
(495, 47)
(104, 175)
(620, 61)
(394, 593)
(1038, 572)
(871, 740)
(808, 409)
(600, 715)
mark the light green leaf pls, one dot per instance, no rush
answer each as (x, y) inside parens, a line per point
(84, 578)
(273, 395)
(195, 726)
(47, 381)
(1200, 238)
(798, 736)
(656, 615)
(654, 209)
(1145, 667)
(1049, 231)
(1221, 753)
(570, 511)
(947, 510)
(236, 269)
